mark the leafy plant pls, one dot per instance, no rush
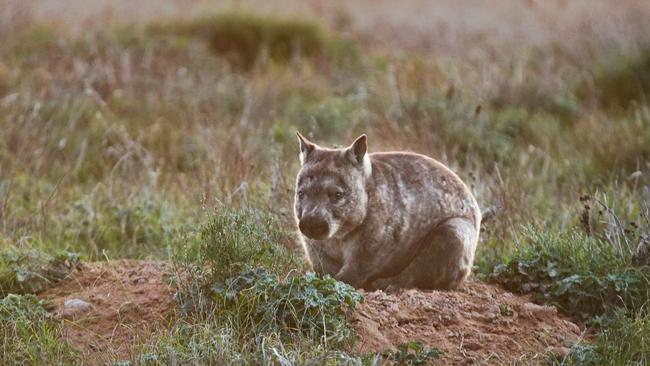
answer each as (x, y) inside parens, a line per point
(583, 276)
(257, 318)
(302, 305)
(32, 271)
(411, 353)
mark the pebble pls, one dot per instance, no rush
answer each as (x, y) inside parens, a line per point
(75, 307)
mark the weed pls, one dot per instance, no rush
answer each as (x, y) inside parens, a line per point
(623, 341)
(29, 335)
(505, 310)
(305, 305)
(236, 240)
(411, 353)
(32, 271)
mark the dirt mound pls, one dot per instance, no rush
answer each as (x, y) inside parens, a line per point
(478, 324)
(126, 298)
(111, 303)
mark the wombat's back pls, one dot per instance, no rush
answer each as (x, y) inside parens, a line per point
(421, 188)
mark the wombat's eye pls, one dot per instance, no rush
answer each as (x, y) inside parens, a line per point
(338, 195)
(301, 194)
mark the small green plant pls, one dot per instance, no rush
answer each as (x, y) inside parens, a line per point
(32, 271)
(29, 335)
(411, 353)
(505, 310)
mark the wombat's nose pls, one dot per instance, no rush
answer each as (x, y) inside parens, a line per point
(314, 228)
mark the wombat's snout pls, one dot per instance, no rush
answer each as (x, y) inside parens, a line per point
(314, 227)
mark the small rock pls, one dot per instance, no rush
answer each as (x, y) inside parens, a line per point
(74, 307)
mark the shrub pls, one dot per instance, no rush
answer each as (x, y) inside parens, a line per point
(243, 38)
(29, 335)
(257, 318)
(234, 240)
(583, 276)
(32, 271)
(257, 303)
(621, 79)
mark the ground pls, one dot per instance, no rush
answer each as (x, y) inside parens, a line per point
(477, 324)
(127, 297)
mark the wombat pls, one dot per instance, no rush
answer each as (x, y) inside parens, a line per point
(387, 219)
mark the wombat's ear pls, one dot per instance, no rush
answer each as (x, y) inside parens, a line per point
(357, 151)
(306, 147)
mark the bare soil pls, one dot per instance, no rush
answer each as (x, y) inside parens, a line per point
(128, 298)
(478, 324)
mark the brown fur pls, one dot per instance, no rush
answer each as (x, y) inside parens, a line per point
(393, 219)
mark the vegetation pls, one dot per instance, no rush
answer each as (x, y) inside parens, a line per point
(582, 276)
(175, 140)
(31, 271)
(29, 335)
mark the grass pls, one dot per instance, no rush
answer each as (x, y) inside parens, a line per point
(175, 140)
(29, 335)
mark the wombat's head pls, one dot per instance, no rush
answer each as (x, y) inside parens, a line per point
(331, 198)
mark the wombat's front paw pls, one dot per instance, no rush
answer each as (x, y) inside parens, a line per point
(384, 284)
(351, 277)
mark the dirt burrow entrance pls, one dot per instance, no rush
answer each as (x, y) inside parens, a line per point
(478, 324)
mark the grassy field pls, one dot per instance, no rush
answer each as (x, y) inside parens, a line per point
(174, 138)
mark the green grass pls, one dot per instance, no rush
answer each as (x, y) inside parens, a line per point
(624, 341)
(29, 335)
